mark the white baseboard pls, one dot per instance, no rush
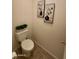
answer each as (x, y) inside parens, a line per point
(46, 50)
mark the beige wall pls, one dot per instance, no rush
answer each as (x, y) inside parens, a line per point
(50, 36)
(22, 14)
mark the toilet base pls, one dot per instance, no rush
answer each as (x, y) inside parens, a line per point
(27, 54)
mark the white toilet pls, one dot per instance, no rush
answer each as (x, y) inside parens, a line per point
(27, 45)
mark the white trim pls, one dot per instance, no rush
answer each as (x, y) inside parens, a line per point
(46, 50)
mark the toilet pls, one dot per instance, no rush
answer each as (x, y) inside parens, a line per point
(27, 45)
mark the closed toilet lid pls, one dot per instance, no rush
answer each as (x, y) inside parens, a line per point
(27, 44)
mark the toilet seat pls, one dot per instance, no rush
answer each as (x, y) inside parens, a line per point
(27, 45)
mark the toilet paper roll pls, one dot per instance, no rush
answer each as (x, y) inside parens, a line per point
(14, 54)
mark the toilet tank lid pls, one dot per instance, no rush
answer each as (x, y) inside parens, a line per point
(20, 32)
(27, 44)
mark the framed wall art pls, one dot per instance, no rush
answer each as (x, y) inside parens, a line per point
(40, 8)
(49, 13)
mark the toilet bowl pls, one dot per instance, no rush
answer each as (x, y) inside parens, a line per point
(27, 47)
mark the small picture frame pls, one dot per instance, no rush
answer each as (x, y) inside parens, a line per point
(40, 8)
(49, 13)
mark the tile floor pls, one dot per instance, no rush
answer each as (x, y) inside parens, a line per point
(38, 53)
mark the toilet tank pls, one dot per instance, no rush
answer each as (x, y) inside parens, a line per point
(21, 35)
